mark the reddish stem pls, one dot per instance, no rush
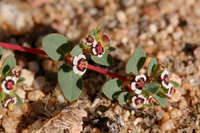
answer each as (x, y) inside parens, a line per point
(38, 51)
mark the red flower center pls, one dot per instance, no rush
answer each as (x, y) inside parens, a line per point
(139, 100)
(9, 84)
(140, 83)
(99, 48)
(166, 79)
(82, 63)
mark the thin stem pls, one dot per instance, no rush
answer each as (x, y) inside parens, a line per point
(41, 52)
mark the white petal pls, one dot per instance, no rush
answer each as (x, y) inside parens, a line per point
(94, 43)
(133, 86)
(75, 69)
(81, 56)
(94, 51)
(140, 76)
(133, 102)
(165, 72)
(75, 60)
(8, 77)
(15, 79)
(15, 100)
(166, 86)
(82, 72)
(6, 104)
(100, 55)
(3, 86)
(137, 91)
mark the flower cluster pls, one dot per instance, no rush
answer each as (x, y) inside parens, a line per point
(8, 85)
(96, 44)
(138, 87)
(80, 64)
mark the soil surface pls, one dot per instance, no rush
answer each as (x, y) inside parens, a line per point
(167, 29)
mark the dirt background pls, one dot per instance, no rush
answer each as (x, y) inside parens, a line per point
(167, 29)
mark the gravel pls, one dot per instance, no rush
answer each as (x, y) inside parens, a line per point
(167, 30)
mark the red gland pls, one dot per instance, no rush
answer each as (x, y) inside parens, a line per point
(82, 64)
(9, 84)
(99, 48)
(105, 38)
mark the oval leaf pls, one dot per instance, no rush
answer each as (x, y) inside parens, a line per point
(70, 83)
(175, 84)
(123, 97)
(8, 64)
(56, 46)
(160, 98)
(152, 88)
(105, 60)
(152, 66)
(76, 50)
(112, 87)
(136, 61)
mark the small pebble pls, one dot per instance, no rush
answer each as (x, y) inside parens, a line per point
(167, 125)
(39, 83)
(34, 66)
(21, 93)
(28, 76)
(35, 95)
(121, 16)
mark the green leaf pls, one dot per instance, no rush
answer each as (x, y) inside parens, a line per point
(56, 46)
(152, 66)
(136, 61)
(95, 31)
(76, 51)
(70, 83)
(123, 97)
(112, 87)
(152, 87)
(19, 100)
(105, 60)
(1, 52)
(20, 80)
(175, 84)
(160, 98)
(149, 105)
(2, 96)
(8, 64)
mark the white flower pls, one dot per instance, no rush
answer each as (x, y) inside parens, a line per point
(8, 84)
(138, 100)
(10, 101)
(79, 64)
(134, 88)
(97, 49)
(165, 80)
(138, 84)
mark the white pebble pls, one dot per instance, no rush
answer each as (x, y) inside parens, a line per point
(121, 16)
(153, 28)
(28, 76)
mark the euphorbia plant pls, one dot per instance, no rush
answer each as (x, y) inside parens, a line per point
(9, 78)
(134, 88)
